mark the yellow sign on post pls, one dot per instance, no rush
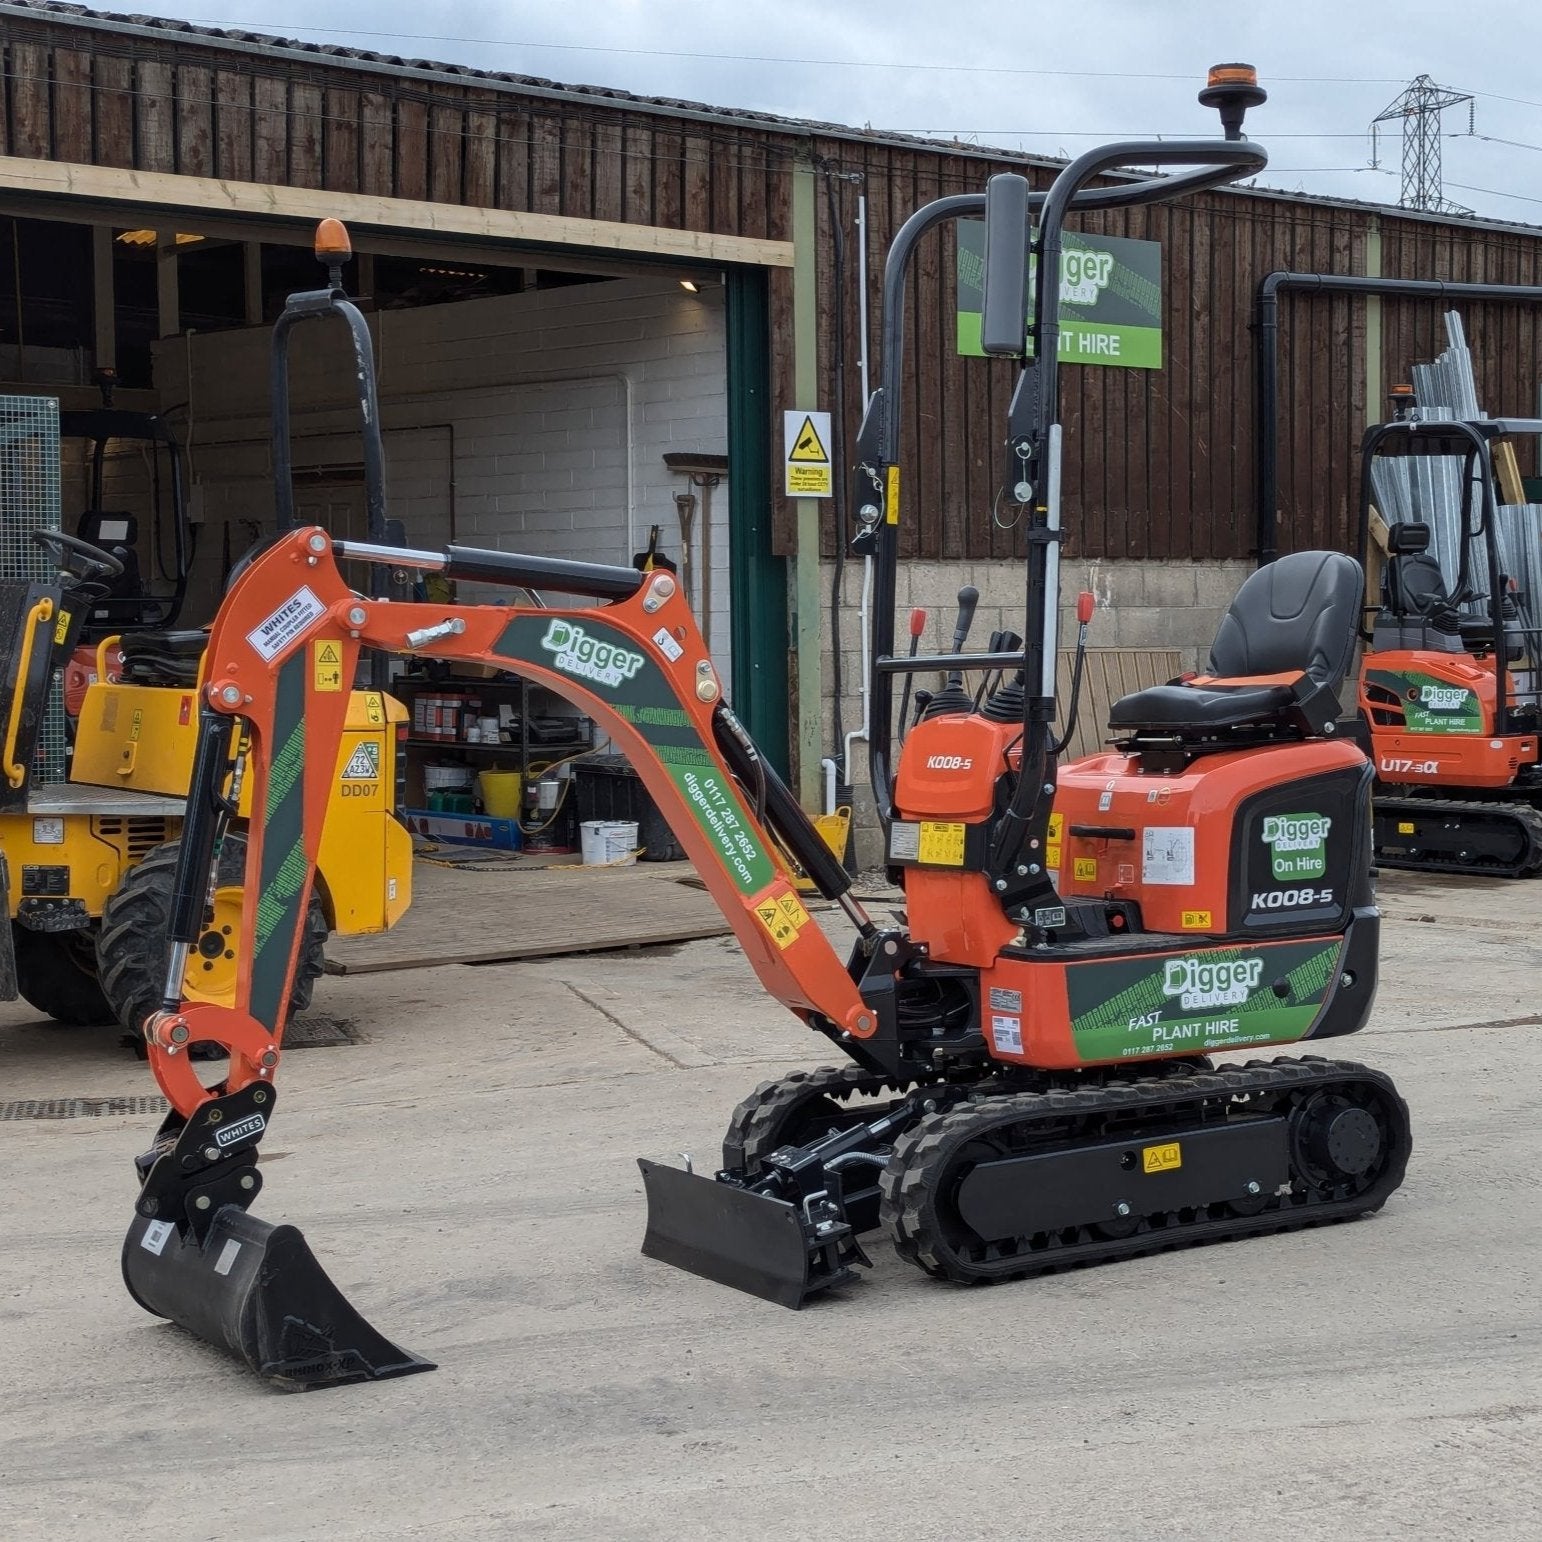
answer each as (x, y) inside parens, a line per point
(808, 472)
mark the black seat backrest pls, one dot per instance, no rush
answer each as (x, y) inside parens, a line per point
(1302, 612)
(118, 534)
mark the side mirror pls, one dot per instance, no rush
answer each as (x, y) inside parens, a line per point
(1004, 312)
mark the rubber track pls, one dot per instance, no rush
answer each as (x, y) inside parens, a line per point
(755, 1127)
(1529, 818)
(916, 1180)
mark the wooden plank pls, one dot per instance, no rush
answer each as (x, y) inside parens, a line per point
(696, 167)
(578, 166)
(545, 163)
(411, 148)
(27, 177)
(513, 160)
(305, 113)
(340, 142)
(233, 125)
(270, 129)
(72, 138)
(637, 171)
(668, 179)
(726, 178)
(377, 143)
(114, 116)
(609, 169)
(534, 912)
(30, 130)
(154, 129)
(1507, 472)
(446, 154)
(479, 186)
(195, 120)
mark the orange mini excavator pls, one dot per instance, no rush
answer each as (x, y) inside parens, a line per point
(1028, 1085)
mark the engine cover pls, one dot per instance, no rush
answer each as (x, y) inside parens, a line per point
(1236, 844)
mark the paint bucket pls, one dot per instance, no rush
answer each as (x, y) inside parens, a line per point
(500, 793)
(608, 842)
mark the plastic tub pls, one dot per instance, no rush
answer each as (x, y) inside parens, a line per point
(608, 842)
(500, 793)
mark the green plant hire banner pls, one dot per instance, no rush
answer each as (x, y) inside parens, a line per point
(1110, 298)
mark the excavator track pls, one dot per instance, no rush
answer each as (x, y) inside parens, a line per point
(799, 1107)
(1495, 839)
(1016, 1184)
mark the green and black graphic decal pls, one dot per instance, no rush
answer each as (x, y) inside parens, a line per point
(1430, 706)
(1298, 845)
(283, 851)
(1212, 998)
(1110, 298)
(608, 663)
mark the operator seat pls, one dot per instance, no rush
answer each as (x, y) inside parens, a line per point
(162, 658)
(1276, 665)
(1417, 609)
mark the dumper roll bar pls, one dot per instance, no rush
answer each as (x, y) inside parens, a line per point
(1033, 433)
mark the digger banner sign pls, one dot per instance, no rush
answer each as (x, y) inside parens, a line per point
(1110, 298)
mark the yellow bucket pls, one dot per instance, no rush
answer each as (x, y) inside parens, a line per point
(500, 793)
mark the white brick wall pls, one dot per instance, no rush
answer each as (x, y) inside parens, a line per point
(531, 422)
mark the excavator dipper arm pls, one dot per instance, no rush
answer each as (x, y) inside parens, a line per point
(281, 654)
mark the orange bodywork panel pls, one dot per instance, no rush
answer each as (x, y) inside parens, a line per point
(290, 631)
(1432, 718)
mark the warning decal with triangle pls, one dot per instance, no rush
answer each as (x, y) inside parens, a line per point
(327, 665)
(364, 764)
(806, 454)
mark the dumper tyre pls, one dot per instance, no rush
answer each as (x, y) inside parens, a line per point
(56, 972)
(132, 946)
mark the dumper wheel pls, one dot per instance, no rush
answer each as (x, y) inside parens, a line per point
(56, 973)
(131, 948)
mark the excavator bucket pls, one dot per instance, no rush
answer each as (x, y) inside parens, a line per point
(736, 1236)
(256, 1290)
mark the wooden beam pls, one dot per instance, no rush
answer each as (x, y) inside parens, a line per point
(1507, 473)
(251, 281)
(103, 299)
(166, 190)
(168, 298)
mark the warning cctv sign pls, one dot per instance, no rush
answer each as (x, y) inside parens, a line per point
(806, 436)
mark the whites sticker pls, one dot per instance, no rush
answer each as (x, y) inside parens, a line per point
(667, 644)
(1007, 1034)
(155, 1237)
(1168, 855)
(227, 1257)
(291, 620)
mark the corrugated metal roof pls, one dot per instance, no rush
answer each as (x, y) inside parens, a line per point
(430, 71)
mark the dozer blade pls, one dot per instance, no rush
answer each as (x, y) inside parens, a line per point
(256, 1290)
(737, 1237)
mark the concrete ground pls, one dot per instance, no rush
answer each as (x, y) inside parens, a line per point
(466, 1173)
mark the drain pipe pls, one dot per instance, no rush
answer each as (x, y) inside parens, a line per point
(1268, 425)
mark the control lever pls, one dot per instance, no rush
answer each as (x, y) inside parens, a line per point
(952, 697)
(917, 627)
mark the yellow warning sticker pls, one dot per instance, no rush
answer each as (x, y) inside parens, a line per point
(137, 724)
(807, 445)
(327, 663)
(793, 909)
(1161, 1159)
(1196, 920)
(941, 843)
(1086, 869)
(61, 631)
(783, 929)
(1052, 849)
(891, 497)
(374, 707)
(1405, 827)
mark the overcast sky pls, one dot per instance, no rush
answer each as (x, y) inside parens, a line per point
(1016, 73)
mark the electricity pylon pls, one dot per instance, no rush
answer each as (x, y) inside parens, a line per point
(1419, 108)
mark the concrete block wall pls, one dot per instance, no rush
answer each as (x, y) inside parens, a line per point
(1140, 604)
(533, 422)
